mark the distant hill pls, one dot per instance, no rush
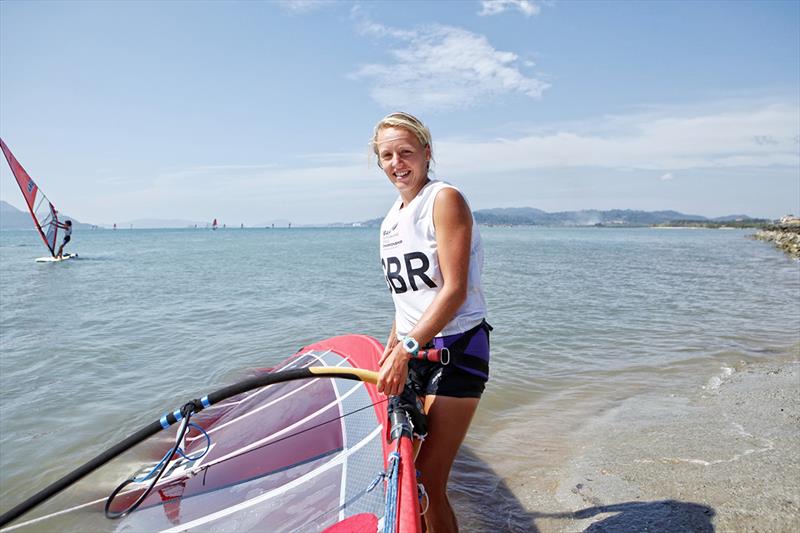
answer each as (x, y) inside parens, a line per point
(586, 217)
(13, 218)
(371, 223)
(530, 216)
(732, 218)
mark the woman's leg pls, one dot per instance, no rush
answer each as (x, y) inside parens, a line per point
(448, 421)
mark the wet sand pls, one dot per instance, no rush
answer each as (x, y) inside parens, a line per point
(722, 458)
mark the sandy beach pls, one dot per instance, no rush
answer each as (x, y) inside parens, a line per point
(723, 458)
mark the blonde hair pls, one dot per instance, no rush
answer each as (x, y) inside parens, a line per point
(407, 122)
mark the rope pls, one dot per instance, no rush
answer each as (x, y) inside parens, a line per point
(345, 505)
(423, 496)
(159, 470)
(392, 481)
(208, 445)
(180, 452)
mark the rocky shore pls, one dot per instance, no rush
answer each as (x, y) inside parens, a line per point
(784, 236)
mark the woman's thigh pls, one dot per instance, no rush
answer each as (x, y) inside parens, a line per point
(448, 421)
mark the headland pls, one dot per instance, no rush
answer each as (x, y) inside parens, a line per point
(785, 235)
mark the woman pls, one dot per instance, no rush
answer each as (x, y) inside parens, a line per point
(432, 257)
(67, 227)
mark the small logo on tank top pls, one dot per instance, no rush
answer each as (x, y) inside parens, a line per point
(390, 238)
(391, 230)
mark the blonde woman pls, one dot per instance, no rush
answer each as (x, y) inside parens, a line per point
(432, 256)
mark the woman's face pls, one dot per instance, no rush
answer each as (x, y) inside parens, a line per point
(404, 160)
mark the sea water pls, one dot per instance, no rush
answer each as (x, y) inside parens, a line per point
(92, 349)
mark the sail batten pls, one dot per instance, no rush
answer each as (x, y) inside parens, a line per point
(45, 217)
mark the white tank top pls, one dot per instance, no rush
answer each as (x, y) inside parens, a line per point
(411, 264)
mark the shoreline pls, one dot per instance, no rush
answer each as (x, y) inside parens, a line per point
(726, 459)
(721, 457)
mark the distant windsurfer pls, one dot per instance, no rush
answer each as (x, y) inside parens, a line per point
(432, 257)
(67, 227)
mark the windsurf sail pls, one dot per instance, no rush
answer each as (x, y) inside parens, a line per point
(45, 216)
(214, 224)
(288, 449)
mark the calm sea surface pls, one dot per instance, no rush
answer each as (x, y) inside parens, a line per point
(92, 349)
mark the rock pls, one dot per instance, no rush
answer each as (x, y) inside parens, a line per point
(785, 236)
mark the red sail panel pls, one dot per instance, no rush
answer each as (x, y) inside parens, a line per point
(43, 213)
(25, 182)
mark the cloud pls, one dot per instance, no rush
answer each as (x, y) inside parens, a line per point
(659, 140)
(764, 139)
(725, 139)
(438, 68)
(301, 7)
(495, 7)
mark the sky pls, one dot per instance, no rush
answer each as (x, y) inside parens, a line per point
(255, 111)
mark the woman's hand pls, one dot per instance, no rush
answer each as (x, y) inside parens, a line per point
(391, 342)
(394, 370)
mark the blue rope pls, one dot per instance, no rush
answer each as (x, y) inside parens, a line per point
(390, 517)
(153, 471)
(208, 444)
(180, 452)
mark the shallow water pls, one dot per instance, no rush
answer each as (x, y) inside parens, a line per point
(93, 348)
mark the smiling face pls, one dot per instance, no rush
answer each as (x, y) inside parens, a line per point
(404, 160)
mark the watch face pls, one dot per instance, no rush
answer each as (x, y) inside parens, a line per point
(410, 345)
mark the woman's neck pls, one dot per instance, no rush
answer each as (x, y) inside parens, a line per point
(409, 195)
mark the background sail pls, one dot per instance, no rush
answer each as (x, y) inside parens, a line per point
(44, 214)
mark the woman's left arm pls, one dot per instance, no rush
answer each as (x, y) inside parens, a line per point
(453, 222)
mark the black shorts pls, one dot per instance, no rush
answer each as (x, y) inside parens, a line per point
(465, 376)
(426, 378)
(66, 240)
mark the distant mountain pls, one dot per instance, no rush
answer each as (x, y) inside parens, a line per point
(371, 223)
(13, 218)
(530, 216)
(512, 215)
(585, 217)
(731, 218)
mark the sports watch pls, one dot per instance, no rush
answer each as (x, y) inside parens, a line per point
(410, 345)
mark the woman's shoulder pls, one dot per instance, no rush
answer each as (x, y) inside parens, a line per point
(447, 192)
(450, 205)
